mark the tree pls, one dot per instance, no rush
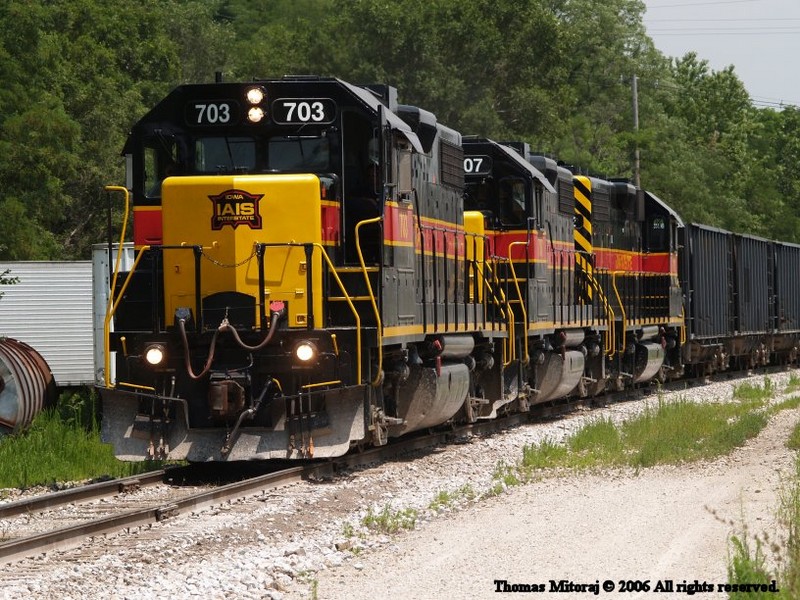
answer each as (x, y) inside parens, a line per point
(80, 72)
(7, 279)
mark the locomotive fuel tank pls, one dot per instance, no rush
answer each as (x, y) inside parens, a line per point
(431, 396)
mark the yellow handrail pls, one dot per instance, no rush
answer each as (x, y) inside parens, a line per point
(377, 381)
(112, 309)
(621, 306)
(609, 345)
(349, 303)
(499, 300)
(107, 326)
(526, 358)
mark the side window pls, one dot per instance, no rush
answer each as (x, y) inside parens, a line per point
(160, 162)
(512, 201)
(657, 234)
(152, 183)
(299, 154)
(403, 179)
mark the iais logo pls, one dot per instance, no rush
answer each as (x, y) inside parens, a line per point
(234, 208)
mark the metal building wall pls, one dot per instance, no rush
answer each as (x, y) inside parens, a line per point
(50, 309)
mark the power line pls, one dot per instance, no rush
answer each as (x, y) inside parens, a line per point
(649, 7)
(719, 20)
(724, 32)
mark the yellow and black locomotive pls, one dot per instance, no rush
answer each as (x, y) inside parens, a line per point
(304, 279)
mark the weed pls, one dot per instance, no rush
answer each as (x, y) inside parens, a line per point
(445, 499)
(348, 530)
(390, 520)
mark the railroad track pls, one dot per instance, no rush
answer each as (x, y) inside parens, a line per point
(156, 511)
(152, 512)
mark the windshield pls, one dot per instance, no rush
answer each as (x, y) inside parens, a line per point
(224, 155)
(248, 155)
(299, 154)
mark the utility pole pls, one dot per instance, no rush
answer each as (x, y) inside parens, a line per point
(635, 88)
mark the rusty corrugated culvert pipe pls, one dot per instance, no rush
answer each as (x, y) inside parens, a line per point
(26, 385)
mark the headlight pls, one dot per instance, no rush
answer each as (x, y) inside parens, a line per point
(255, 114)
(155, 354)
(255, 95)
(305, 351)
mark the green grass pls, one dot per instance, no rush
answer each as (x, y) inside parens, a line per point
(668, 433)
(62, 444)
(750, 392)
(793, 385)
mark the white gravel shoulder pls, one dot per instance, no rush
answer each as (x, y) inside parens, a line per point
(309, 541)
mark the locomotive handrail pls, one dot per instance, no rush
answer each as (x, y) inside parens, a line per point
(113, 304)
(333, 272)
(609, 311)
(526, 359)
(379, 326)
(502, 305)
(621, 306)
(609, 346)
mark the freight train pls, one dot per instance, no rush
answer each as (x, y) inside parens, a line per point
(320, 268)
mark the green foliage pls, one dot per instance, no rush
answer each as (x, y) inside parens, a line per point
(79, 72)
(668, 433)
(556, 73)
(62, 444)
(7, 279)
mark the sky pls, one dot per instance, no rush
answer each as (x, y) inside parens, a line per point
(760, 38)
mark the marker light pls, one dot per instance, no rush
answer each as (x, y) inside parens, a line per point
(255, 114)
(305, 351)
(255, 95)
(155, 354)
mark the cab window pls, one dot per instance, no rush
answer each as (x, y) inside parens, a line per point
(299, 154)
(224, 155)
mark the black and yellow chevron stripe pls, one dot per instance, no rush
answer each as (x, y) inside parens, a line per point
(583, 237)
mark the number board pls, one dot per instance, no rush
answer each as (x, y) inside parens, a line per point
(477, 165)
(202, 113)
(300, 111)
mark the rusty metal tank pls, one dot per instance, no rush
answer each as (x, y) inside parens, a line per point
(26, 385)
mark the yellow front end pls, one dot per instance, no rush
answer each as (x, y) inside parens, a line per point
(228, 215)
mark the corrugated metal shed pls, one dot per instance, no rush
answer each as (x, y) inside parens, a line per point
(50, 309)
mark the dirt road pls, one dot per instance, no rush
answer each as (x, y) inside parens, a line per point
(666, 524)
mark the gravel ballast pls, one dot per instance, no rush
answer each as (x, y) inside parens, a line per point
(308, 540)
